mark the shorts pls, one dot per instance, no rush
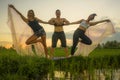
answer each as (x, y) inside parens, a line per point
(56, 36)
(40, 32)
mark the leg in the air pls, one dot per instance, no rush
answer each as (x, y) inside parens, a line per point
(85, 39)
(33, 39)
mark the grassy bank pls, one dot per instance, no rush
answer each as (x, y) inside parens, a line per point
(95, 53)
(16, 67)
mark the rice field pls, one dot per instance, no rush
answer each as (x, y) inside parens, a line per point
(95, 53)
(101, 64)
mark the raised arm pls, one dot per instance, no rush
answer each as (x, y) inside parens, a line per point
(94, 23)
(40, 21)
(77, 22)
(24, 19)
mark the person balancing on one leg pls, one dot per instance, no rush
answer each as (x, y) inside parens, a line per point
(38, 30)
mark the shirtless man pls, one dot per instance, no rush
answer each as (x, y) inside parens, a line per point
(58, 23)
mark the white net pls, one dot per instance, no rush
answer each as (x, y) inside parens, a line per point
(96, 33)
(20, 32)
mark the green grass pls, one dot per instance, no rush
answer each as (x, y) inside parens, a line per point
(60, 52)
(94, 53)
(16, 67)
(105, 52)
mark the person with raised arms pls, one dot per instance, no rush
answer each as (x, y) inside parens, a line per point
(79, 34)
(38, 30)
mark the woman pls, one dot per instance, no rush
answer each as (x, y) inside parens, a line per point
(58, 23)
(38, 30)
(80, 31)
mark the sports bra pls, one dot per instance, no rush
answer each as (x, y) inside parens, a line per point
(84, 24)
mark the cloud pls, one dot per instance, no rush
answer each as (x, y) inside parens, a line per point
(113, 37)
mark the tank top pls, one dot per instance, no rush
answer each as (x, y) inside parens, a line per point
(34, 25)
(84, 24)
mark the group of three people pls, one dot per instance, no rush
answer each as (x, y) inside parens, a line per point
(58, 22)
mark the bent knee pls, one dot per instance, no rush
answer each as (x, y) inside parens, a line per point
(90, 42)
(27, 43)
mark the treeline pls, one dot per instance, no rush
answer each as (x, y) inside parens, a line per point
(5, 50)
(110, 45)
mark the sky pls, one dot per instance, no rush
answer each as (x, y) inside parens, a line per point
(72, 10)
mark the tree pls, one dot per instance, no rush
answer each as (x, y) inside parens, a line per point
(111, 44)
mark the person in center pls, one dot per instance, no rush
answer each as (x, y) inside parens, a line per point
(58, 23)
(79, 34)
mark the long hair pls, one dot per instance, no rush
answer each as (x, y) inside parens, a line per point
(30, 11)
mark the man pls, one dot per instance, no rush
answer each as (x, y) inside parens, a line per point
(58, 23)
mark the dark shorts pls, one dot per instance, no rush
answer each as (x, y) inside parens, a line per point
(56, 36)
(40, 32)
